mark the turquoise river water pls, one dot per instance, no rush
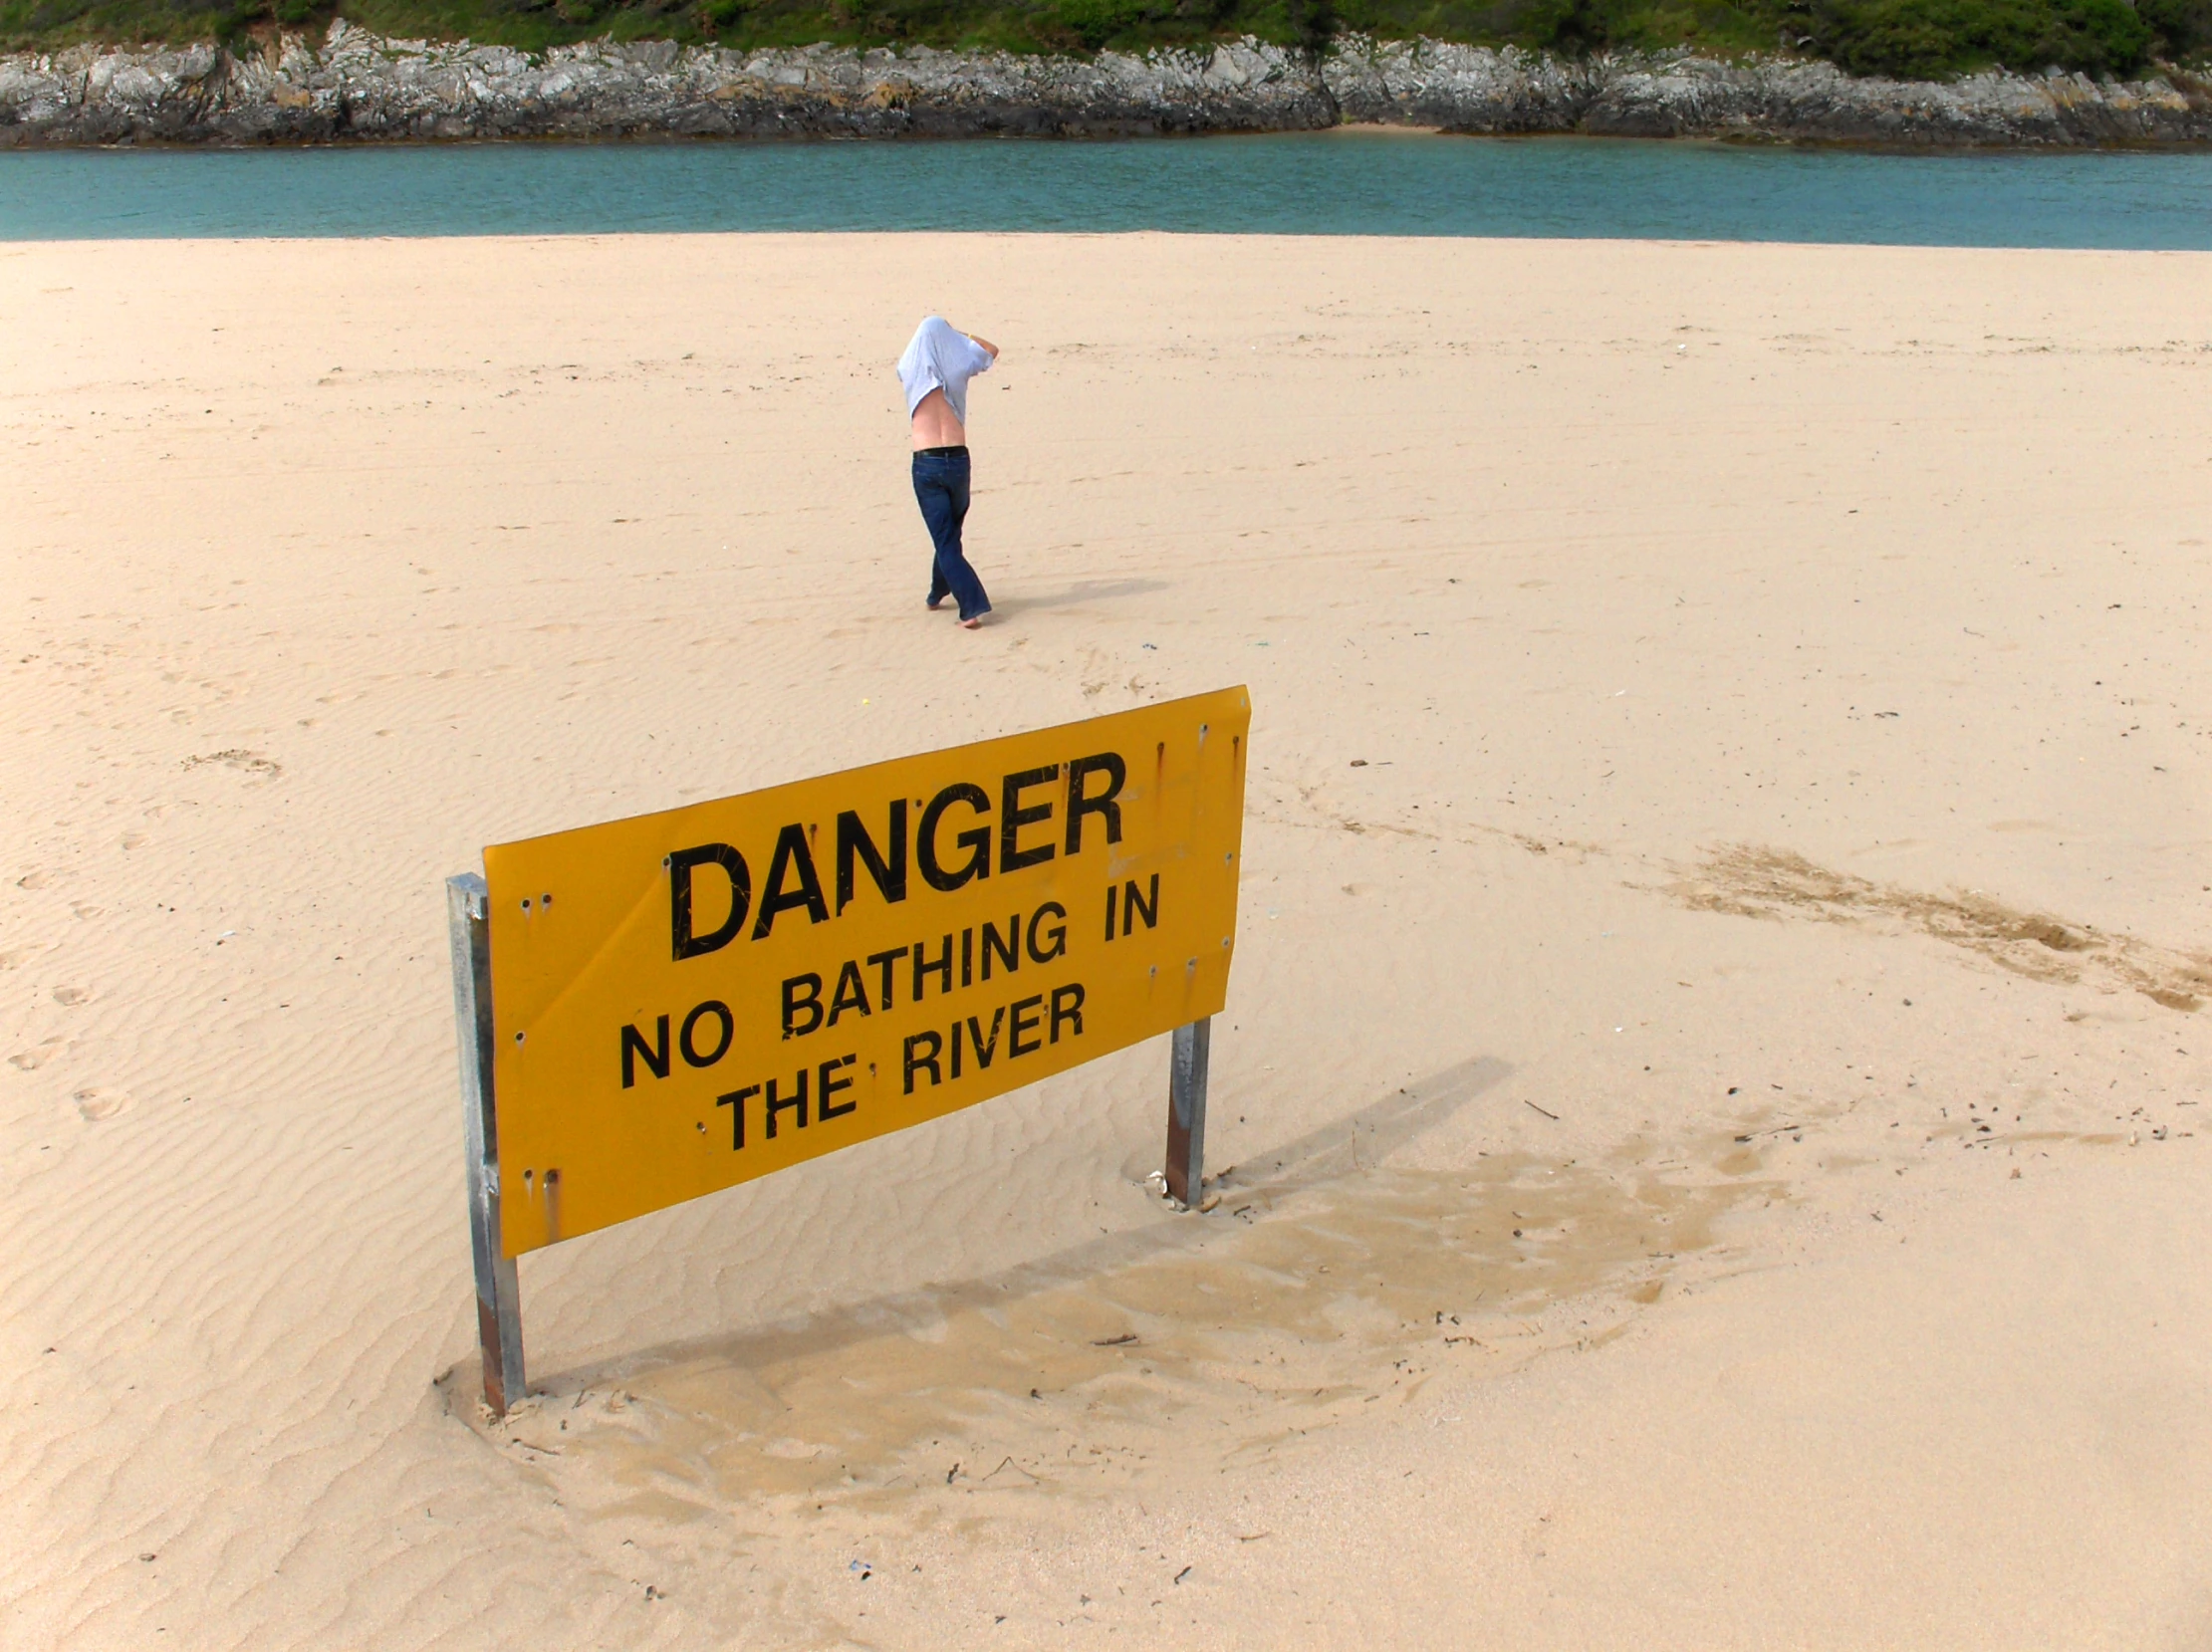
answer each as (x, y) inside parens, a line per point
(1326, 184)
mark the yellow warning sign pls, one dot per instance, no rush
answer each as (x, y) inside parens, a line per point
(685, 1001)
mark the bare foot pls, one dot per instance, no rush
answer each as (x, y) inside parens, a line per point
(975, 624)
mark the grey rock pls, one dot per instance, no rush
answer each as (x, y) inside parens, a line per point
(358, 87)
(1471, 89)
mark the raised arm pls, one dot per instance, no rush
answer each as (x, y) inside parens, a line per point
(977, 338)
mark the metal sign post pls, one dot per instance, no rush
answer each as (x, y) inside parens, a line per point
(1186, 1111)
(498, 1294)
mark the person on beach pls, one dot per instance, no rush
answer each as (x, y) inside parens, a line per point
(935, 371)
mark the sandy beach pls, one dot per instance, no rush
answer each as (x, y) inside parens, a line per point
(1712, 1100)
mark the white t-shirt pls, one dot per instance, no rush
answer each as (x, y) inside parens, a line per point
(941, 358)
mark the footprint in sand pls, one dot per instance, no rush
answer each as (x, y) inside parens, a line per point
(71, 995)
(96, 1104)
(30, 1061)
(253, 764)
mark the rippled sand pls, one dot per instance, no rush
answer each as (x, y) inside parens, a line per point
(1709, 1110)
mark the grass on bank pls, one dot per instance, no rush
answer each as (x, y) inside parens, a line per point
(1909, 39)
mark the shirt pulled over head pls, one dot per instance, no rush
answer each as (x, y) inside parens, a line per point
(941, 358)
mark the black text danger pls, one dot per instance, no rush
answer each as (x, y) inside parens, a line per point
(963, 834)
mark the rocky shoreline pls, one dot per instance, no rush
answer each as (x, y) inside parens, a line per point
(357, 86)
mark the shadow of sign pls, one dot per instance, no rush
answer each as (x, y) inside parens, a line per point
(1332, 1283)
(1356, 1142)
(1362, 1140)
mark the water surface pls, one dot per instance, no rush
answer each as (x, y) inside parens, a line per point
(1309, 184)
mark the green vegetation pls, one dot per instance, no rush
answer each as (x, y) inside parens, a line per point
(1922, 39)
(1914, 39)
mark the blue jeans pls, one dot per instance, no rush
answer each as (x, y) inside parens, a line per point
(942, 489)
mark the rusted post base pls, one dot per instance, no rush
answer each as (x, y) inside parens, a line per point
(498, 1294)
(1186, 1111)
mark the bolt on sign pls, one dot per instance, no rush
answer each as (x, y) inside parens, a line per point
(661, 1006)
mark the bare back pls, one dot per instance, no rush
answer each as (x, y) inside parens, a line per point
(936, 425)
